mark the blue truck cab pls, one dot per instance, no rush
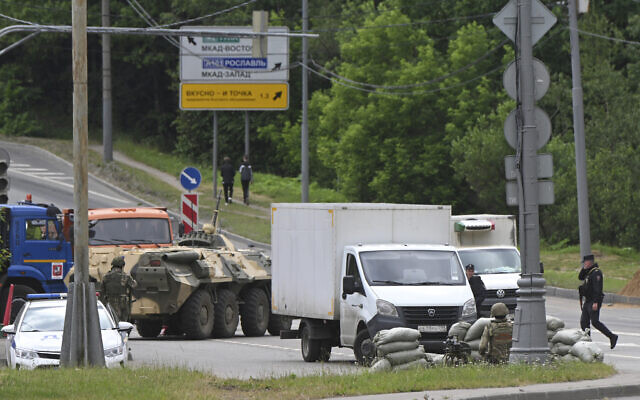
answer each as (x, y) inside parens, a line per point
(39, 255)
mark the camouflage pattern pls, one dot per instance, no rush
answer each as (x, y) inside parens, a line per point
(116, 290)
(496, 341)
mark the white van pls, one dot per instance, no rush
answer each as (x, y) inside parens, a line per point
(489, 243)
(351, 270)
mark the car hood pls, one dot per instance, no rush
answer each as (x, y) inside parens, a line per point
(52, 341)
(500, 281)
(412, 296)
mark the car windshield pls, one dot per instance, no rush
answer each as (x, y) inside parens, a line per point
(492, 261)
(46, 319)
(129, 231)
(412, 267)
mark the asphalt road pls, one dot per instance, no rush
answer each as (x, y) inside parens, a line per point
(267, 356)
(49, 179)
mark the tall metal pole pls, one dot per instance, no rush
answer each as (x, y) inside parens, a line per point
(304, 134)
(81, 339)
(530, 335)
(578, 133)
(215, 154)
(246, 133)
(107, 141)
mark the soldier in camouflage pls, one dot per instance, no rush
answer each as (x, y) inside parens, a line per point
(496, 338)
(116, 289)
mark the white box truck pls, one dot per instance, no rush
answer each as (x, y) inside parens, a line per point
(489, 242)
(350, 270)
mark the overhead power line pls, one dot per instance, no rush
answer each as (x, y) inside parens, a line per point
(607, 37)
(208, 15)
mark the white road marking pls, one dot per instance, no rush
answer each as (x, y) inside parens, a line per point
(607, 344)
(31, 169)
(621, 356)
(51, 174)
(57, 182)
(270, 346)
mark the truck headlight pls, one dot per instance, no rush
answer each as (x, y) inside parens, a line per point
(26, 354)
(469, 309)
(114, 351)
(386, 308)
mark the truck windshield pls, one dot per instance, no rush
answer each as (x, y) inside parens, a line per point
(492, 261)
(412, 267)
(119, 231)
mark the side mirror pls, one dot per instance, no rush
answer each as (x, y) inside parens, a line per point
(124, 326)
(348, 285)
(9, 329)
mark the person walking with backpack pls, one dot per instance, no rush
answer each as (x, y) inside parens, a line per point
(246, 177)
(228, 173)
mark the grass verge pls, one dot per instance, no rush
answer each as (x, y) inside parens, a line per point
(179, 384)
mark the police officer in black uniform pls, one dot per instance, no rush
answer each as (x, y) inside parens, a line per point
(477, 286)
(591, 290)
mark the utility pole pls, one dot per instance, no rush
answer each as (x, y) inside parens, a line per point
(530, 335)
(107, 138)
(304, 134)
(578, 133)
(246, 133)
(81, 339)
(215, 154)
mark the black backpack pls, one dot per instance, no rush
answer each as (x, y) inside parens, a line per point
(245, 175)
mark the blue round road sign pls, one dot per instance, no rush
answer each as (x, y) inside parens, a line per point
(190, 178)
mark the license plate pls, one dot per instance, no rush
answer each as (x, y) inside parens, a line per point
(432, 328)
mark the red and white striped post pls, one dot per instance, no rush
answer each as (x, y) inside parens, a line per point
(189, 211)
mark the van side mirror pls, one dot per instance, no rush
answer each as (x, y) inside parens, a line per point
(348, 285)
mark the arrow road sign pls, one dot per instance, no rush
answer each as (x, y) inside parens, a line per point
(190, 178)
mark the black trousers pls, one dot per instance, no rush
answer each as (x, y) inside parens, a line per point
(228, 191)
(245, 191)
(593, 317)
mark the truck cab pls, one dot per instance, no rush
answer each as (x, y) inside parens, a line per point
(489, 242)
(37, 255)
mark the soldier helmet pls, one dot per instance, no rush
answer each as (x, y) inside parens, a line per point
(118, 262)
(499, 310)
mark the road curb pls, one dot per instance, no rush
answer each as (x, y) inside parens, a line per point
(576, 394)
(609, 298)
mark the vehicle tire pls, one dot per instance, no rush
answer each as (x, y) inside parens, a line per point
(278, 323)
(255, 313)
(363, 348)
(226, 314)
(310, 347)
(148, 328)
(197, 315)
(325, 352)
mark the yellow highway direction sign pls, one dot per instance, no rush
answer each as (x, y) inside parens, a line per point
(234, 96)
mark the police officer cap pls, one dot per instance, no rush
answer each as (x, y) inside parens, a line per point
(469, 266)
(588, 257)
(499, 310)
(118, 262)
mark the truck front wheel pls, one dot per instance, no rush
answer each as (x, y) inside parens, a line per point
(363, 348)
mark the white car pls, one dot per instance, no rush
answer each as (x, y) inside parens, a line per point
(34, 340)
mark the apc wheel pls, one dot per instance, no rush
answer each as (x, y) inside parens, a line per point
(255, 313)
(310, 347)
(197, 315)
(363, 348)
(278, 323)
(148, 328)
(226, 314)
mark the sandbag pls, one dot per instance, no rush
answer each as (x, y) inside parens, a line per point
(560, 349)
(398, 334)
(403, 357)
(569, 357)
(420, 363)
(587, 351)
(570, 336)
(475, 331)
(554, 323)
(474, 344)
(381, 365)
(394, 347)
(475, 355)
(434, 358)
(550, 334)
(459, 330)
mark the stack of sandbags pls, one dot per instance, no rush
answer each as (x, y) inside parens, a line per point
(398, 349)
(459, 330)
(575, 344)
(554, 324)
(474, 335)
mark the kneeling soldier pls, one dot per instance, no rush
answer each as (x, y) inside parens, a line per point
(496, 338)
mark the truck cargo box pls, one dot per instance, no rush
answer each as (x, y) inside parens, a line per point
(307, 243)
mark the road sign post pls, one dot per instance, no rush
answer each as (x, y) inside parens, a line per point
(527, 129)
(190, 178)
(189, 207)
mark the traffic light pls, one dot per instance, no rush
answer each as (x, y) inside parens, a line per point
(4, 176)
